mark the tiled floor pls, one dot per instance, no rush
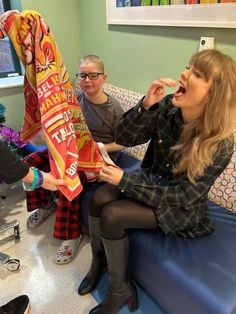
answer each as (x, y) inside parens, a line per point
(52, 288)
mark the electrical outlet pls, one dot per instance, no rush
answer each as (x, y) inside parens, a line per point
(206, 43)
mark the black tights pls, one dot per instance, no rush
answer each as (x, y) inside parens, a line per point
(118, 213)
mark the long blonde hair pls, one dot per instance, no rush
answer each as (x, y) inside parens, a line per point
(200, 140)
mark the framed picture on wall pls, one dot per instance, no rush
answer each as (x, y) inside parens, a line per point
(192, 13)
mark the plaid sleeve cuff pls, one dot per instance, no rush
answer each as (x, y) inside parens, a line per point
(125, 183)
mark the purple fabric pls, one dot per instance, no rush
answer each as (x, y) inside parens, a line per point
(10, 136)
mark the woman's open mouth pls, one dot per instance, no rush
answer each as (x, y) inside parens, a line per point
(180, 92)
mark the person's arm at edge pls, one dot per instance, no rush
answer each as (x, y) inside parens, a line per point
(12, 169)
(113, 147)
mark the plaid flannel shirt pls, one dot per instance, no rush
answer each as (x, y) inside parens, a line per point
(180, 206)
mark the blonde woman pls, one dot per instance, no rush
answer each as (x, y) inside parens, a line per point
(191, 143)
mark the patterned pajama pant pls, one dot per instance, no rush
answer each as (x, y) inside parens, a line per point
(67, 216)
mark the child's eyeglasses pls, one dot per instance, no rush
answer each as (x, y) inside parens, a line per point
(91, 76)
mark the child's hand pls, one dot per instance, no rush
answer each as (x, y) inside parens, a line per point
(38, 139)
(156, 91)
(5, 15)
(3, 18)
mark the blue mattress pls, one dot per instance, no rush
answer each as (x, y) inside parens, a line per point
(196, 276)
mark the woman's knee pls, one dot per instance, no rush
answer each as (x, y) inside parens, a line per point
(102, 196)
(109, 220)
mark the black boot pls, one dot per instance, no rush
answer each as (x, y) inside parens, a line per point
(121, 291)
(19, 305)
(99, 261)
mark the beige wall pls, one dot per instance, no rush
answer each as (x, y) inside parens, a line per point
(135, 55)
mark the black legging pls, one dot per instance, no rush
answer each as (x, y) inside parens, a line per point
(118, 213)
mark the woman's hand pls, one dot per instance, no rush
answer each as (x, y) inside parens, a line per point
(156, 91)
(111, 174)
(50, 182)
